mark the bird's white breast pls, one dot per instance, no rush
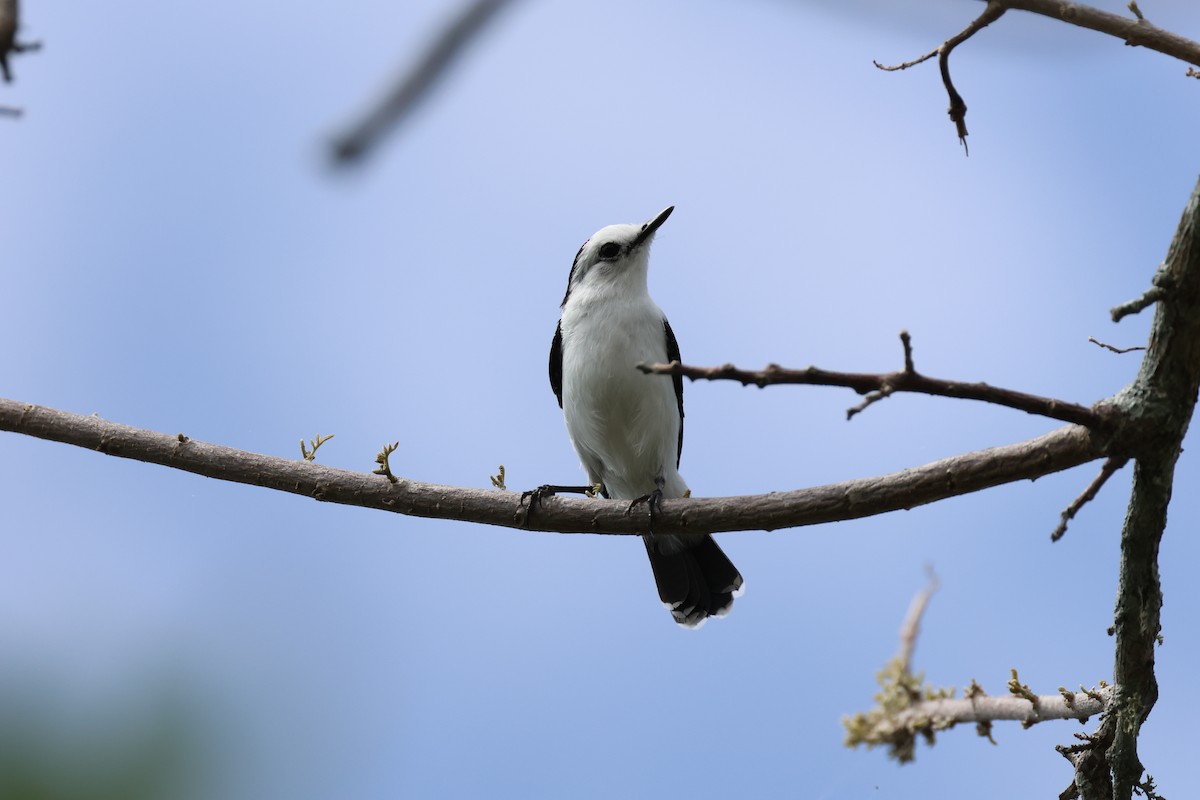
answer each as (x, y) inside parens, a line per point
(624, 424)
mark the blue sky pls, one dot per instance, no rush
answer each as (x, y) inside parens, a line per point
(179, 255)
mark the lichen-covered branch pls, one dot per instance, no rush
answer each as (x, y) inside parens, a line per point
(899, 729)
(968, 472)
(1158, 407)
(907, 708)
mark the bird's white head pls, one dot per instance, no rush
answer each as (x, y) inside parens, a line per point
(615, 259)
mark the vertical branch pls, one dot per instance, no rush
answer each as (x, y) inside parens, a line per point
(1160, 403)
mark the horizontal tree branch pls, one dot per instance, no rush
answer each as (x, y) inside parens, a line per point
(987, 708)
(1134, 31)
(886, 383)
(1060, 449)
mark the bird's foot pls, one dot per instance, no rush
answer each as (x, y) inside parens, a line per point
(535, 496)
(653, 502)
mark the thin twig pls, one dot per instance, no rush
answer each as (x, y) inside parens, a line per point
(416, 82)
(11, 111)
(1111, 465)
(958, 108)
(907, 64)
(880, 385)
(1118, 350)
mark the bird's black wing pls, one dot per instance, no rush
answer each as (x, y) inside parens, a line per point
(556, 366)
(672, 355)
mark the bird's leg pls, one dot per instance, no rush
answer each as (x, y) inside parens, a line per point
(535, 496)
(652, 501)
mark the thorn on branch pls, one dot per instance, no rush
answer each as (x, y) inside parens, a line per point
(381, 459)
(1137, 12)
(311, 455)
(1111, 465)
(1117, 350)
(498, 480)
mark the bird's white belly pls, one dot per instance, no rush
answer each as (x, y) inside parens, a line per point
(624, 424)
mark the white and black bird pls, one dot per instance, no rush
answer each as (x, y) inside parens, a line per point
(627, 427)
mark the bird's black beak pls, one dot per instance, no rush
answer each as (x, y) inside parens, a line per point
(650, 227)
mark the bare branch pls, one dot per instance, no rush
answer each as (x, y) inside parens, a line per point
(1136, 32)
(1117, 350)
(907, 64)
(1151, 296)
(1111, 465)
(1162, 400)
(880, 385)
(11, 111)
(416, 83)
(1060, 449)
(958, 108)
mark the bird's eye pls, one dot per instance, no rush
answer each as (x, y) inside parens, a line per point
(609, 250)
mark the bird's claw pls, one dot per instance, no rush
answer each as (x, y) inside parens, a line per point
(653, 502)
(535, 496)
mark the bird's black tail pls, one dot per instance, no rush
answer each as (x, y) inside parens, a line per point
(696, 580)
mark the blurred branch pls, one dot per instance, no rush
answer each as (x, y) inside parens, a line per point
(1061, 449)
(415, 83)
(10, 23)
(877, 386)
